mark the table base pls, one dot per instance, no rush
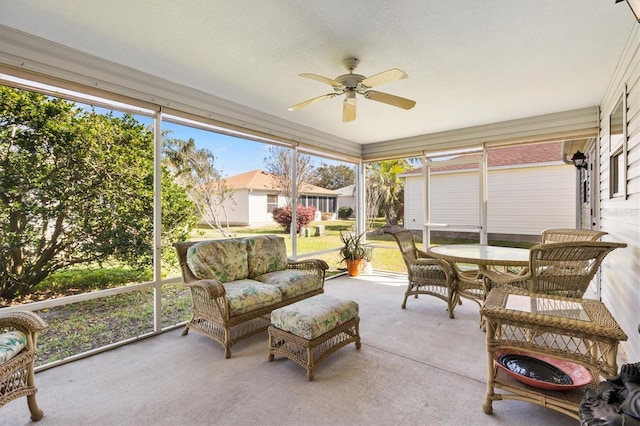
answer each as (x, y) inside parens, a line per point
(564, 401)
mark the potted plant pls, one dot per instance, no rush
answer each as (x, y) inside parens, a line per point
(353, 252)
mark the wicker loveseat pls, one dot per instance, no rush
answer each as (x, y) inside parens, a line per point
(236, 283)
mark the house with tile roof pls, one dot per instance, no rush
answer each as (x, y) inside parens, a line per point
(538, 171)
(256, 195)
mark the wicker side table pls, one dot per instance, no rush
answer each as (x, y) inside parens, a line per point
(308, 331)
(576, 330)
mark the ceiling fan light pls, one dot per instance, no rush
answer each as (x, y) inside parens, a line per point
(350, 97)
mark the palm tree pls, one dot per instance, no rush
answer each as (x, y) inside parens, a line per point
(385, 188)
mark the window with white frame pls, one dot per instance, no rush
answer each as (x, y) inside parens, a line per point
(617, 176)
(618, 149)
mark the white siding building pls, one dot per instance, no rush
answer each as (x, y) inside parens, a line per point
(537, 171)
(619, 213)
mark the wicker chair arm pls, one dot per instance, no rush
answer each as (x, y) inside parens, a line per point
(431, 262)
(213, 288)
(309, 264)
(22, 320)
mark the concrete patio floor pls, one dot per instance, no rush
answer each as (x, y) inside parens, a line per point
(416, 367)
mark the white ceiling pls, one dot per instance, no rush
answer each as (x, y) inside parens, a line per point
(469, 62)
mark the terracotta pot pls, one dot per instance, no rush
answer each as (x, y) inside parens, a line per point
(354, 267)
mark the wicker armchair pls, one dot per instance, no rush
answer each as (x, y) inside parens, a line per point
(565, 235)
(433, 277)
(561, 269)
(17, 378)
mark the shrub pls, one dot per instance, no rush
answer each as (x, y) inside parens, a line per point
(304, 216)
(345, 212)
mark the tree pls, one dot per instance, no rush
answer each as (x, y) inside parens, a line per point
(75, 187)
(333, 177)
(280, 163)
(179, 216)
(386, 188)
(206, 187)
(373, 200)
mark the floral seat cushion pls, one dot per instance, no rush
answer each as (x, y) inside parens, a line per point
(291, 282)
(248, 295)
(222, 260)
(267, 253)
(11, 343)
(311, 318)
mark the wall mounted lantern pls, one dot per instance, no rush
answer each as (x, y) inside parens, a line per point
(579, 160)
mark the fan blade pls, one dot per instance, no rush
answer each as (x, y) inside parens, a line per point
(312, 101)
(384, 77)
(390, 99)
(321, 79)
(349, 110)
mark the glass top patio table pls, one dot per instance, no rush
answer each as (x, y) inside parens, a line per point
(481, 254)
(566, 329)
(528, 321)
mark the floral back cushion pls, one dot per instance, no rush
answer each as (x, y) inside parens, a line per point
(11, 343)
(223, 260)
(267, 253)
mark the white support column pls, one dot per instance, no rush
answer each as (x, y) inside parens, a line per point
(578, 189)
(484, 236)
(294, 202)
(361, 211)
(157, 221)
(426, 220)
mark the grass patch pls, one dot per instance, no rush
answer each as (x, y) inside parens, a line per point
(87, 325)
(91, 324)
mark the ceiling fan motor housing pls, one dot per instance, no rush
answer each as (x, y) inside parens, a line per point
(349, 81)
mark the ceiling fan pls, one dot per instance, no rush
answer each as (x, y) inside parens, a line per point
(350, 84)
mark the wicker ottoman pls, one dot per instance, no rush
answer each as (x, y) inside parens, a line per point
(308, 331)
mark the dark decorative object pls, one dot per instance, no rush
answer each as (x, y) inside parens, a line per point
(615, 402)
(535, 369)
(579, 160)
(542, 371)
